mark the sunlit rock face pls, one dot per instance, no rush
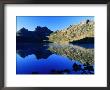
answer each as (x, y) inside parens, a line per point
(74, 52)
(73, 33)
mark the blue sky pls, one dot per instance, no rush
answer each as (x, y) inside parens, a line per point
(52, 22)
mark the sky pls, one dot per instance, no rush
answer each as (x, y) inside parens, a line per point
(52, 22)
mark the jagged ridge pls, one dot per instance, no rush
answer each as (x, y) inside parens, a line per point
(38, 35)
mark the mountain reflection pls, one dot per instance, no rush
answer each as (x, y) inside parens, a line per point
(73, 52)
(38, 49)
(83, 69)
(78, 59)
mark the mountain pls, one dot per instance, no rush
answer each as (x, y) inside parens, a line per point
(73, 33)
(38, 35)
(79, 33)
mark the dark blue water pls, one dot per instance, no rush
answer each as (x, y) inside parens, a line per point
(53, 59)
(89, 45)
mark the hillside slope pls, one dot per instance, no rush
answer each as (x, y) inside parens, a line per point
(73, 33)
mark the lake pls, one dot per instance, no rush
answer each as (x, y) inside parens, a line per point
(51, 58)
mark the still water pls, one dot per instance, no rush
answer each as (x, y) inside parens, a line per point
(34, 58)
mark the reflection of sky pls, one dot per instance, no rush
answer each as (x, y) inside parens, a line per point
(52, 22)
(31, 64)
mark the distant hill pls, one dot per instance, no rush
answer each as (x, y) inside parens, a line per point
(74, 33)
(38, 35)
